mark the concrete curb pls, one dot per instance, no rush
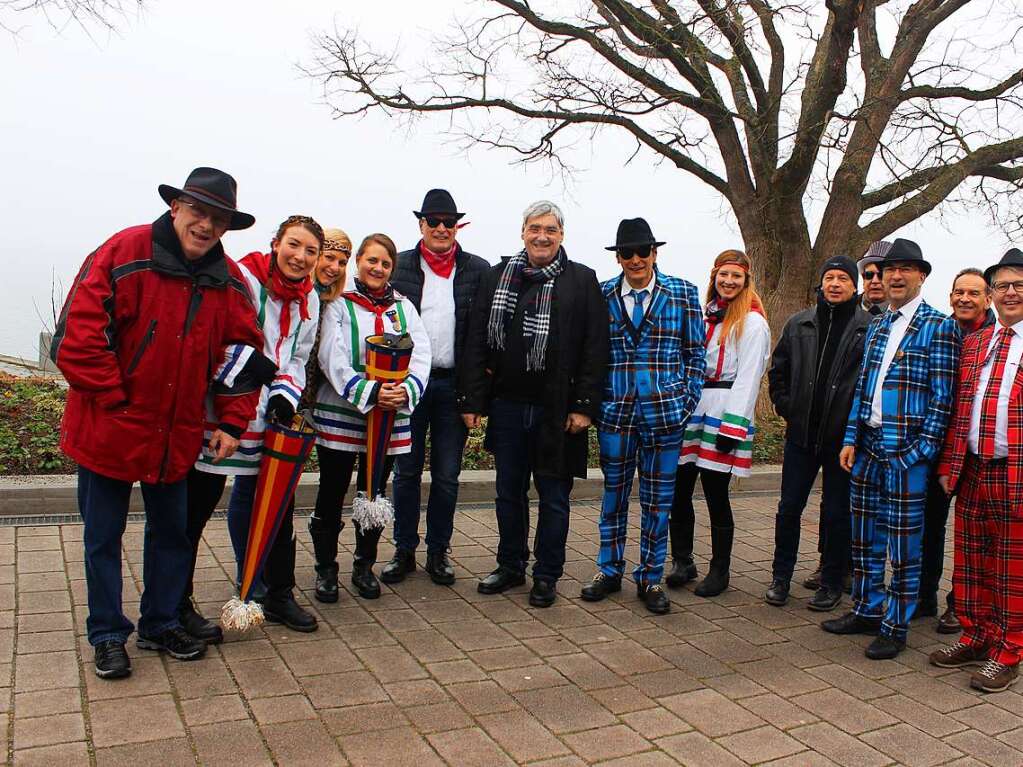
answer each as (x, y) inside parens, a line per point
(58, 494)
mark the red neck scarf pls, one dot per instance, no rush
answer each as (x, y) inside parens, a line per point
(377, 302)
(281, 288)
(441, 264)
(714, 315)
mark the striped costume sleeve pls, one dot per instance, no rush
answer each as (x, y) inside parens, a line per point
(290, 379)
(337, 356)
(234, 359)
(419, 367)
(753, 352)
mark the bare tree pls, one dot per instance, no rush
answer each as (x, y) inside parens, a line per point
(87, 14)
(866, 113)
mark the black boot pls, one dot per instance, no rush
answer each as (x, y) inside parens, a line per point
(364, 581)
(281, 607)
(683, 570)
(402, 563)
(326, 583)
(196, 625)
(721, 560)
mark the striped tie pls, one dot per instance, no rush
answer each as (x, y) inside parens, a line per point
(989, 405)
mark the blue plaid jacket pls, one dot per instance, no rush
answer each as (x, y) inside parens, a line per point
(916, 396)
(655, 372)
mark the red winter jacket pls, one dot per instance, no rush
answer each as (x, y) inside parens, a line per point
(138, 338)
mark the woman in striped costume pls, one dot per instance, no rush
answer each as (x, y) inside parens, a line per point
(346, 396)
(718, 441)
(287, 308)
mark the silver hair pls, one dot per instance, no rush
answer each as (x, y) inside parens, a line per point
(543, 208)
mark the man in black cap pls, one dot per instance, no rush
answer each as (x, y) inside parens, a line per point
(441, 279)
(654, 382)
(874, 299)
(812, 378)
(896, 426)
(982, 462)
(149, 313)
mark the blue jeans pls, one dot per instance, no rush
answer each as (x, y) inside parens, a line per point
(166, 554)
(512, 433)
(438, 412)
(278, 571)
(799, 471)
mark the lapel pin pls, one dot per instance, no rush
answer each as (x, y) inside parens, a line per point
(899, 354)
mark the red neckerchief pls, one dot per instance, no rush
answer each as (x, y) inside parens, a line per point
(281, 288)
(370, 305)
(441, 264)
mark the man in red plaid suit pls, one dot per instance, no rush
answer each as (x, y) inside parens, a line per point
(982, 460)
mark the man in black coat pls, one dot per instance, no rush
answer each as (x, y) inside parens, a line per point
(535, 361)
(441, 279)
(812, 379)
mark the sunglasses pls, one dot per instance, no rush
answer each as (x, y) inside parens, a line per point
(869, 274)
(644, 252)
(435, 221)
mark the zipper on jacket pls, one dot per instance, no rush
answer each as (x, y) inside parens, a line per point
(146, 340)
(195, 299)
(820, 364)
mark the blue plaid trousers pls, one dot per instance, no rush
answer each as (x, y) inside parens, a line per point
(887, 522)
(657, 456)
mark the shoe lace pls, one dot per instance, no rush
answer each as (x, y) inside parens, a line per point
(952, 649)
(655, 589)
(599, 577)
(991, 669)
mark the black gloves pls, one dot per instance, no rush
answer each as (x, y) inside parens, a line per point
(260, 368)
(725, 444)
(279, 409)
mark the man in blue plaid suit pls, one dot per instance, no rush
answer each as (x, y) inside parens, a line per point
(896, 428)
(654, 382)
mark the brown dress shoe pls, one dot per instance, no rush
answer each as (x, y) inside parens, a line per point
(949, 623)
(958, 655)
(994, 677)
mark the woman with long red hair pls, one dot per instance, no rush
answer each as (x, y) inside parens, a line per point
(718, 440)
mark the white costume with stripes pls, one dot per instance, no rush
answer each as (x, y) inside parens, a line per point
(345, 396)
(291, 355)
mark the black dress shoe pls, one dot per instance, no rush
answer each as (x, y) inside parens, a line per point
(600, 586)
(778, 594)
(195, 624)
(326, 583)
(715, 582)
(682, 571)
(112, 660)
(543, 593)
(174, 641)
(654, 598)
(402, 563)
(500, 580)
(851, 623)
(282, 608)
(884, 648)
(813, 580)
(364, 581)
(440, 569)
(825, 600)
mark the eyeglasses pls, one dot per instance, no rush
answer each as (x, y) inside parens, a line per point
(627, 253)
(217, 218)
(870, 274)
(434, 221)
(1003, 287)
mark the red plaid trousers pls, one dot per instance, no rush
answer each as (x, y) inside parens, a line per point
(988, 576)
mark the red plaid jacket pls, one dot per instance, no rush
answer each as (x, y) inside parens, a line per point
(953, 454)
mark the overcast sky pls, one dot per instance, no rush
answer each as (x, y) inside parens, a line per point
(89, 127)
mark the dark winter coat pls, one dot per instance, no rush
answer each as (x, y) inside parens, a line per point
(576, 364)
(408, 277)
(795, 375)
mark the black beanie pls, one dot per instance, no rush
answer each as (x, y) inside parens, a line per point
(844, 263)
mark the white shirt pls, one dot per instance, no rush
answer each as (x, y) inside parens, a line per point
(438, 315)
(629, 297)
(1004, 390)
(895, 336)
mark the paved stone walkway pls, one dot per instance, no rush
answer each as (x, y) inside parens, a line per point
(431, 675)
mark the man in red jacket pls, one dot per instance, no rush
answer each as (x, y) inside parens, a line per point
(144, 325)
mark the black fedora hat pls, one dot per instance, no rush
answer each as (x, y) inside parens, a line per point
(439, 201)
(905, 252)
(214, 188)
(634, 233)
(1013, 257)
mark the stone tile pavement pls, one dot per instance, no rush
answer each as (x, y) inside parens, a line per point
(434, 675)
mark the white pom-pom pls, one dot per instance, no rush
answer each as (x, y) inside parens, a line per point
(239, 616)
(372, 515)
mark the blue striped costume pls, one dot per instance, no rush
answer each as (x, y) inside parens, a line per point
(889, 477)
(654, 380)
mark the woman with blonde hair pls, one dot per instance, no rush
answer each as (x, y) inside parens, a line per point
(718, 440)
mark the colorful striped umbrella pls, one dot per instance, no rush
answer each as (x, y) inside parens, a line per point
(285, 450)
(387, 360)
